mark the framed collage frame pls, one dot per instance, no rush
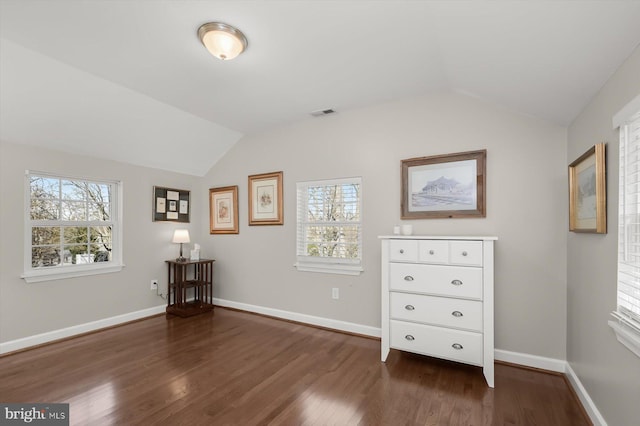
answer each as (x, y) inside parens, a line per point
(171, 205)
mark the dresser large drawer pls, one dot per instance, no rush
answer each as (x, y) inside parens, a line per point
(455, 281)
(458, 313)
(456, 345)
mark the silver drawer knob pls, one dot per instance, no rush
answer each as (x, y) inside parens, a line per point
(431, 252)
(401, 251)
(409, 307)
(464, 253)
(456, 282)
(456, 314)
(408, 278)
(409, 337)
(457, 346)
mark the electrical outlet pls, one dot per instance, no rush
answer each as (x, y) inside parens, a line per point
(335, 293)
(154, 284)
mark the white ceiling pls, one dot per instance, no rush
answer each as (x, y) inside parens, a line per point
(129, 80)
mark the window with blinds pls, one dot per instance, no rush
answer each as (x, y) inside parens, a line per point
(72, 225)
(329, 226)
(628, 299)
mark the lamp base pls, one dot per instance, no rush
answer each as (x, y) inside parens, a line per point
(181, 258)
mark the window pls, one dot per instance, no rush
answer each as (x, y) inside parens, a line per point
(627, 326)
(329, 233)
(72, 227)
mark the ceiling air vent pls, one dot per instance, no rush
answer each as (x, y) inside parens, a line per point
(321, 112)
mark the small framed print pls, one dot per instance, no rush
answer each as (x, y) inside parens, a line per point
(223, 210)
(588, 192)
(265, 199)
(171, 205)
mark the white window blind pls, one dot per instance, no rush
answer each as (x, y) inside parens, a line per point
(73, 227)
(628, 305)
(329, 226)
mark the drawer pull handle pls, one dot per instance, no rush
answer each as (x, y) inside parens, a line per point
(409, 307)
(456, 282)
(409, 337)
(408, 278)
(464, 253)
(431, 252)
(401, 251)
(457, 346)
(456, 314)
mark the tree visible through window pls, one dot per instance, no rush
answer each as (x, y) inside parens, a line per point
(329, 234)
(71, 221)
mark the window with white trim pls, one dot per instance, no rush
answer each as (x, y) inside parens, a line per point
(627, 313)
(73, 227)
(329, 226)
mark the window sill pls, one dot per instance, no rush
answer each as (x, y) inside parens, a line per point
(626, 335)
(329, 268)
(60, 273)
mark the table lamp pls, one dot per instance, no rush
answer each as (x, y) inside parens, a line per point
(181, 236)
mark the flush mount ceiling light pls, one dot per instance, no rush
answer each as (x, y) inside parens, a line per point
(222, 40)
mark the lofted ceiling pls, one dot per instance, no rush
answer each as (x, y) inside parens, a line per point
(130, 81)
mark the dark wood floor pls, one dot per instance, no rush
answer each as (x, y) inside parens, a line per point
(235, 368)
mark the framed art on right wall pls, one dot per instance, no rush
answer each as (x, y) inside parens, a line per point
(588, 192)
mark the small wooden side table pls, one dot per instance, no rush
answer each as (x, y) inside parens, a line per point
(195, 274)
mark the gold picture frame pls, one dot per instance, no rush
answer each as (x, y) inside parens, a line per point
(588, 192)
(223, 210)
(444, 186)
(265, 199)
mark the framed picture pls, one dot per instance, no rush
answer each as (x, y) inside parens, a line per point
(265, 199)
(170, 205)
(587, 192)
(451, 185)
(223, 210)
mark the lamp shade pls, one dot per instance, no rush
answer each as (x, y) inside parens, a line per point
(222, 40)
(181, 236)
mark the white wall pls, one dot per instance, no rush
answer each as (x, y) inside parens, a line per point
(30, 309)
(609, 372)
(526, 209)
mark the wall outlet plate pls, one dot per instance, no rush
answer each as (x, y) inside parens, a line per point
(154, 284)
(335, 293)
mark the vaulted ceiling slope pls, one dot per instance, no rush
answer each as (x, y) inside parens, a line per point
(130, 81)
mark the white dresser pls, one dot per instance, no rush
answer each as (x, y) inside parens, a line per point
(437, 298)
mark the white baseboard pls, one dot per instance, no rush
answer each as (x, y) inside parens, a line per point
(534, 361)
(38, 339)
(585, 399)
(349, 327)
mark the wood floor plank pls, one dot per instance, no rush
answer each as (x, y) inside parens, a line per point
(235, 368)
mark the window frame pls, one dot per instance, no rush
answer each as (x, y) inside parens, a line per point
(35, 275)
(625, 325)
(328, 265)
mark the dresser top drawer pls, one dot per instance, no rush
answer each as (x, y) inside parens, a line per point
(403, 251)
(437, 252)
